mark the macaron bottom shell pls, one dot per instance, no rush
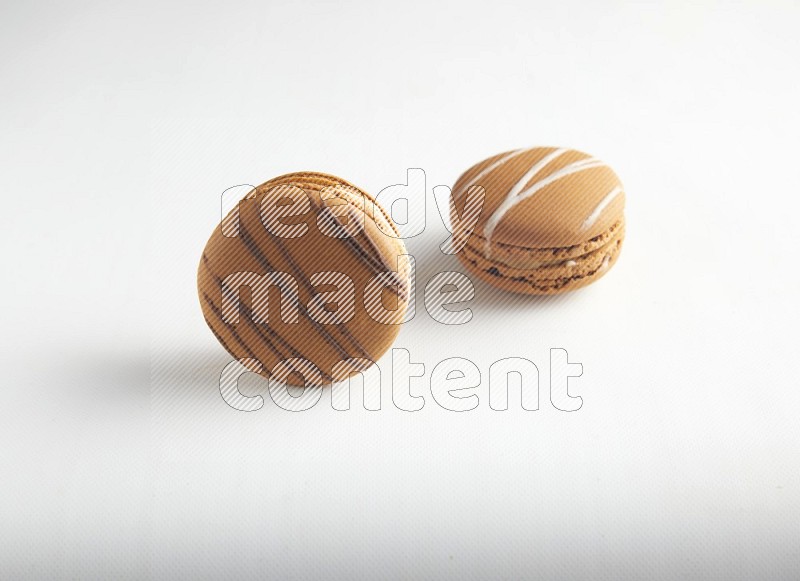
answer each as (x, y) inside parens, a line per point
(543, 277)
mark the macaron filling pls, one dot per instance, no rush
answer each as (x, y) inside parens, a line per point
(547, 270)
(522, 258)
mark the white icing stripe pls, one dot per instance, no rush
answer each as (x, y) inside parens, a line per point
(572, 168)
(531, 173)
(511, 201)
(601, 206)
(491, 167)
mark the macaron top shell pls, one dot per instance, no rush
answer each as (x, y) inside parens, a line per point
(329, 266)
(544, 197)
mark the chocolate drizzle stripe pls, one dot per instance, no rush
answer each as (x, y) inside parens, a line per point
(233, 331)
(256, 253)
(341, 328)
(322, 181)
(377, 265)
(241, 342)
(294, 352)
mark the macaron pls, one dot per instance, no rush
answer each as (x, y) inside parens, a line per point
(304, 281)
(551, 219)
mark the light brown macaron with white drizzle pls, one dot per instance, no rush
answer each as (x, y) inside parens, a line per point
(551, 219)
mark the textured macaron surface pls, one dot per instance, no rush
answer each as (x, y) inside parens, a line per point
(543, 197)
(305, 269)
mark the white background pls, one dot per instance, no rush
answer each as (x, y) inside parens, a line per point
(120, 126)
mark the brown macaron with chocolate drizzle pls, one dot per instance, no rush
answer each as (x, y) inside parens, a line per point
(551, 219)
(305, 281)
